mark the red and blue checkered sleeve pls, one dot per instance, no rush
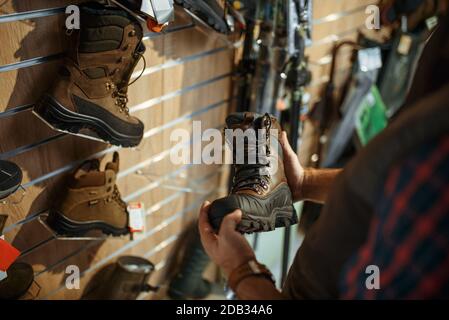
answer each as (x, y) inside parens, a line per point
(408, 241)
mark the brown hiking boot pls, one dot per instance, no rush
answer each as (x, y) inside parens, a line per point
(259, 186)
(91, 202)
(90, 94)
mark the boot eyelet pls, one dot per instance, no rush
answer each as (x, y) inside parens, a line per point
(126, 47)
(132, 33)
(120, 60)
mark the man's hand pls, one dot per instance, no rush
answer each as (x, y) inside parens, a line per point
(293, 169)
(229, 249)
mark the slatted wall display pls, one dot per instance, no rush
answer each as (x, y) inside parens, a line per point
(187, 78)
(333, 21)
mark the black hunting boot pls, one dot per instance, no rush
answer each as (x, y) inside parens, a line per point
(208, 11)
(10, 178)
(188, 283)
(90, 93)
(259, 191)
(20, 276)
(124, 280)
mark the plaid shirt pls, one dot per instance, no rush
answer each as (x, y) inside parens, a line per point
(409, 235)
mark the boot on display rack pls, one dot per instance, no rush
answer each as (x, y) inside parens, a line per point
(188, 282)
(259, 191)
(90, 95)
(124, 280)
(10, 178)
(92, 201)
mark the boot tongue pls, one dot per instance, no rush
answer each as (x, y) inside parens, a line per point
(115, 164)
(87, 166)
(250, 175)
(88, 175)
(242, 120)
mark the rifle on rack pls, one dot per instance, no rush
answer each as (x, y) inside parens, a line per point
(297, 76)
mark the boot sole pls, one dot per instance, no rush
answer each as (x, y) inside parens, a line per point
(205, 14)
(65, 226)
(282, 216)
(56, 116)
(6, 193)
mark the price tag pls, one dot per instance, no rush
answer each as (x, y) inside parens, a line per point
(8, 256)
(371, 117)
(136, 212)
(147, 8)
(370, 59)
(158, 9)
(432, 22)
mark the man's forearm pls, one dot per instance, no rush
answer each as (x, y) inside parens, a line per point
(317, 183)
(257, 288)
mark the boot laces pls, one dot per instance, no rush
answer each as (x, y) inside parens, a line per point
(116, 196)
(121, 93)
(255, 176)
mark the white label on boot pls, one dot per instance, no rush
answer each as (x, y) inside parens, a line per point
(136, 211)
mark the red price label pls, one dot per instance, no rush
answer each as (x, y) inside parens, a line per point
(8, 254)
